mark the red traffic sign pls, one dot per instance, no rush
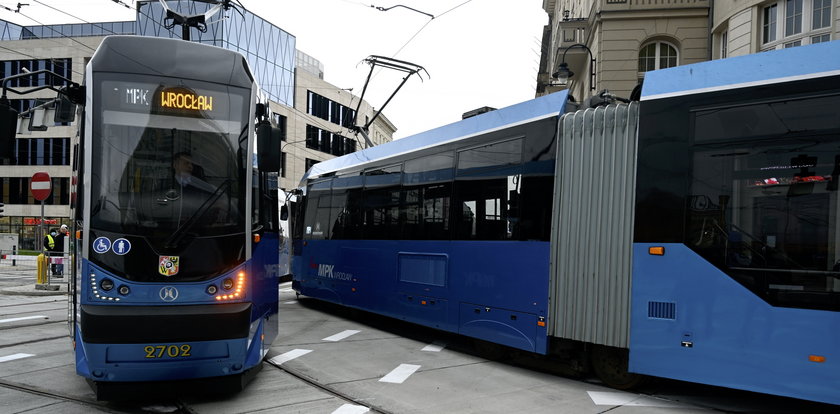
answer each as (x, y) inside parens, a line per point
(40, 186)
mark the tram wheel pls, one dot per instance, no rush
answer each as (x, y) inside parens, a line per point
(610, 365)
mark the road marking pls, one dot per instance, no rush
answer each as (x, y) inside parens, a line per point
(341, 335)
(291, 302)
(13, 357)
(435, 346)
(287, 290)
(614, 398)
(400, 373)
(288, 356)
(24, 318)
(351, 409)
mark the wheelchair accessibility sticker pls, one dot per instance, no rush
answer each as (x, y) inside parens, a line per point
(101, 245)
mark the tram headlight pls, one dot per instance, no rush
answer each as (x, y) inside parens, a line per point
(106, 284)
(227, 284)
(124, 290)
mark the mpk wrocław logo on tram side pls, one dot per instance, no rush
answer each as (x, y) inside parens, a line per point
(168, 265)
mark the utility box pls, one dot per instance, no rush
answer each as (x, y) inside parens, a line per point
(8, 242)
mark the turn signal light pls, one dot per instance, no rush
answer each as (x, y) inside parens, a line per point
(238, 289)
(816, 358)
(657, 250)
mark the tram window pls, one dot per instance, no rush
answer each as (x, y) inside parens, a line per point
(425, 212)
(317, 217)
(427, 197)
(381, 218)
(489, 159)
(346, 206)
(766, 213)
(429, 169)
(487, 192)
(381, 203)
(535, 202)
(767, 119)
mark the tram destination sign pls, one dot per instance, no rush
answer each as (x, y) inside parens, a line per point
(161, 98)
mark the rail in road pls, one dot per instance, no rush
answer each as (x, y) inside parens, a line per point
(329, 360)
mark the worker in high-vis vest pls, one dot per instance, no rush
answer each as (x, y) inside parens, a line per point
(49, 248)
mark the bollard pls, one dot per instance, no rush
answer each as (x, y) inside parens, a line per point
(42, 279)
(42, 269)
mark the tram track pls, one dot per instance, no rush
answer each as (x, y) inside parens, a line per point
(58, 396)
(330, 390)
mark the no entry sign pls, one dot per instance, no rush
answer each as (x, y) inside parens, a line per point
(40, 186)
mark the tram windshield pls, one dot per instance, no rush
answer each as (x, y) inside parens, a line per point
(167, 174)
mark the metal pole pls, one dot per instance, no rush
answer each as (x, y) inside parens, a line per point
(43, 247)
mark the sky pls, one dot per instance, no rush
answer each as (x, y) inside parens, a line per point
(476, 52)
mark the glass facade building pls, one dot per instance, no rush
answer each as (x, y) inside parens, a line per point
(269, 50)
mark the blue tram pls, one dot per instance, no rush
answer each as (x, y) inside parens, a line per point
(177, 232)
(692, 234)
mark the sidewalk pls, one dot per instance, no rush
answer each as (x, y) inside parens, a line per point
(27, 273)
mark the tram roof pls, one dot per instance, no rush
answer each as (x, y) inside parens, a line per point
(171, 57)
(786, 65)
(534, 109)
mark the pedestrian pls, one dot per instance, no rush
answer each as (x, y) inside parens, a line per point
(49, 247)
(59, 250)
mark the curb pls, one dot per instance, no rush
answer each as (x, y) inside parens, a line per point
(29, 290)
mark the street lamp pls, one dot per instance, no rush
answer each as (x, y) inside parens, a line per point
(564, 73)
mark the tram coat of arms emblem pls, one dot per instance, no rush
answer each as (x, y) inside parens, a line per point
(168, 265)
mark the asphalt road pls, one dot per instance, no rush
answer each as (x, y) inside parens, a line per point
(330, 360)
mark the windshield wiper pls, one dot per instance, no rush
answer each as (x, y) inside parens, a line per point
(179, 233)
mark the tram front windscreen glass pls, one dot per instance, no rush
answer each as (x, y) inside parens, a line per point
(167, 173)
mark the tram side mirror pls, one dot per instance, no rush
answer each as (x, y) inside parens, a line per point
(284, 213)
(269, 139)
(38, 117)
(65, 111)
(8, 128)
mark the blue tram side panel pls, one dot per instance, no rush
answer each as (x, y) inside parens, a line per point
(736, 175)
(747, 297)
(171, 282)
(438, 283)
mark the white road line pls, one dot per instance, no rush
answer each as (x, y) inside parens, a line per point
(400, 373)
(288, 356)
(351, 409)
(291, 302)
(287, 290)
(341, 335)
(616, 398)
(24, 318)
(435, 346)
(13, 357)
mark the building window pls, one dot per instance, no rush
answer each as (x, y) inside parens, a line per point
(42, 151)
(657, 55)
(805, 22)
(820, 38)
(769, 25)
(329, 110)
(283, 164)
(724, 42)
(310, 162)
(822, 15)
(280, 121)
(793, 17)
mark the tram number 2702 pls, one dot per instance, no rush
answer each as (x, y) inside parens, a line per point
(171, 351)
